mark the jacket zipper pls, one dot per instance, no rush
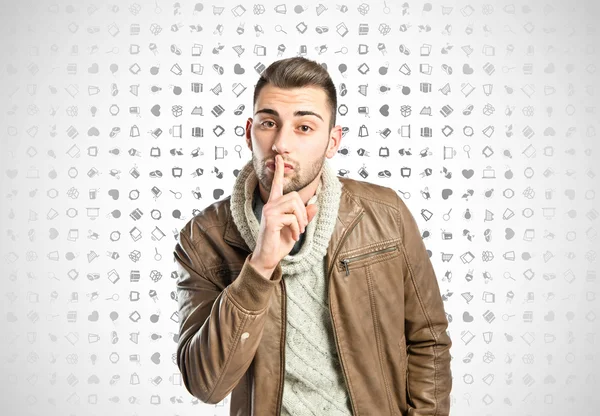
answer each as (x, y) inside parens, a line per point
(284, 320)
(351, 259)
(337, 347)
(282, 372)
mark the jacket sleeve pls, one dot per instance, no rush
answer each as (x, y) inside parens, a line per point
(219, 328)
(429, 378)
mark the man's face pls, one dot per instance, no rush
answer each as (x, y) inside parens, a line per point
(303, 139)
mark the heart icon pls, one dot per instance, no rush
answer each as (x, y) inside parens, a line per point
(467, 317)
(156, 110)
(93, 69)
(467, 69)
(385, 110)
(509, 233)
(550, 68)
(12, 173)
(218, 193)
(237, 68)
(114, 193)
(93, 317)
(446, 193)
(570, 193)
(467, 173)
(155, 358)
(549, 316)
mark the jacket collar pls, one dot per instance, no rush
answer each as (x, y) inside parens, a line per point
(350, 208)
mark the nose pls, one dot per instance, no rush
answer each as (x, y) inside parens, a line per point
(282, 141)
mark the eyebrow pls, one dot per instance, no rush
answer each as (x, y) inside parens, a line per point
(298, 113)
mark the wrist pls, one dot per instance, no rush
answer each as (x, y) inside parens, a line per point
(264, 271)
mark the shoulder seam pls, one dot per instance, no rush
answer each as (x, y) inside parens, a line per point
(376, 200)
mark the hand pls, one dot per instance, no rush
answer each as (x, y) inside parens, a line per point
(284, 218)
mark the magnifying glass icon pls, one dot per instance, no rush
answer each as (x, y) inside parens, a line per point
(446, 216)
(405, 194)
(278, 28)
(238, 149)
(115, 296)
(344, 50)
(507, 275)
(177, 194)
(386, 9)
(113, 50)
(467, 149)
(157, 256)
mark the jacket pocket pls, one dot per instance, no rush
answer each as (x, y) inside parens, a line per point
(349, 261)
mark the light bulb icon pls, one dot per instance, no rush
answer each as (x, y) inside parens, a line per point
(93, 110)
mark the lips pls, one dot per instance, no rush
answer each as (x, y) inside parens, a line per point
(272, 166)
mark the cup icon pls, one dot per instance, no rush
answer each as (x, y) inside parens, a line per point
(509, 255)
(405, 69)
(508, 214)
(176, 69)
(487, 88)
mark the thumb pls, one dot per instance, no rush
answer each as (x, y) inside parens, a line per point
(311, 211)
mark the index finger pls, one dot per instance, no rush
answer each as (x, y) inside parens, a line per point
(277, 184)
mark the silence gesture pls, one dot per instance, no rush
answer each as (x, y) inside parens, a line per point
(284, 218)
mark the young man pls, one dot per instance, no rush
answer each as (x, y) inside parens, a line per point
(304, 292)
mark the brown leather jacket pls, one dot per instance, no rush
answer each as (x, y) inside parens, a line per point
(385, 304)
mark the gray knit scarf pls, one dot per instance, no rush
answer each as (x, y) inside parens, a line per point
(318, 232)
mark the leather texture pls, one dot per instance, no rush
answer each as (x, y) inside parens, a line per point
(386, 308)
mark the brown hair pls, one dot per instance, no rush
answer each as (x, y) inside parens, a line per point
(297, 72)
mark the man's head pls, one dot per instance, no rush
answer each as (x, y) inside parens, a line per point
(294, 115)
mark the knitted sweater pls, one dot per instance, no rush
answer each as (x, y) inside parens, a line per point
(314, 383)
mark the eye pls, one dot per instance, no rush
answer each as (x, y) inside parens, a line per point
(266, 121)
(304, 125)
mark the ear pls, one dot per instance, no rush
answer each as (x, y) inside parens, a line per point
(335, 138)
(249, 133)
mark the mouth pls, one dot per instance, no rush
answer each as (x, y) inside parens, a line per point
(271, 166)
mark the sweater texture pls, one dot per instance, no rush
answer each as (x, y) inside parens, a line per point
(314, 382)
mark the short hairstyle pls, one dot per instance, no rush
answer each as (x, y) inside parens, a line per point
(297, 72)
